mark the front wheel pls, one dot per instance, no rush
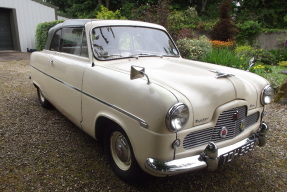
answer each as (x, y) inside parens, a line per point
(43, 101)
(121, 157)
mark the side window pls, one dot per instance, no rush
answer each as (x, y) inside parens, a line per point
(72, 40)
(55, 44)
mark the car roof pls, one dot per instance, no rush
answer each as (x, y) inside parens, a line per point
(96, 23)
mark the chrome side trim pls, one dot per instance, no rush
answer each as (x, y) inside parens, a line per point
(142, 122)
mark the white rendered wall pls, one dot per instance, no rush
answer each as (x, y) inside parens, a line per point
(29, 14)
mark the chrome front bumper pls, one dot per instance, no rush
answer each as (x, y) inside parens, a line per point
(211, 156)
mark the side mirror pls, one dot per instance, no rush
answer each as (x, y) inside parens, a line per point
(138, 72)
(251, 63)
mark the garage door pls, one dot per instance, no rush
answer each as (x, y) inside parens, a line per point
(6, 41)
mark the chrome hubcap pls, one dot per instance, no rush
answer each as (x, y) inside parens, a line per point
(120, 150)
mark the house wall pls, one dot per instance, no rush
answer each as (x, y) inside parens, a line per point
(26, 15)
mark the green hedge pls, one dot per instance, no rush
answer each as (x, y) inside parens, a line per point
(42, 33)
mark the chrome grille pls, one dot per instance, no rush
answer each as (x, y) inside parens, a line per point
(197, 138)
(227, 119)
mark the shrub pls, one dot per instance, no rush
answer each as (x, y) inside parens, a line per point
(224, 28)
(127, 9)
(42, 33)
(281, 95)
(206, 25)
(243, 49)
(280, 54)
(222, 44)
(226, 57)
(249, 30)
(104, 13)
(178, 20)
(261, 56)
(283, 63)
(268, 73)
(183, 19)
(260, 68)
(194, 48)
(154, 13)
(185, 33)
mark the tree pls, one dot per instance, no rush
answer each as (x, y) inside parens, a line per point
(224, 29)
(269, 13)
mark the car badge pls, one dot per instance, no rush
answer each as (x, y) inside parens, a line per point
(223, 132)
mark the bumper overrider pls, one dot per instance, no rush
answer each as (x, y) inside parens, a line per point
(211, 157)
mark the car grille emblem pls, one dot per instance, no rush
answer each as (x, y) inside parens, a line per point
(223, 132)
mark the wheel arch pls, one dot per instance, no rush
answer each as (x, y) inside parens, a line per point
(104, 123)
(36, 85)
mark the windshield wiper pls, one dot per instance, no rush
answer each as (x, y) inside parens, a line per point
(111, 56)
(137, 55)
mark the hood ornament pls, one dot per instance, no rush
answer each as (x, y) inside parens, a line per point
(220, 74)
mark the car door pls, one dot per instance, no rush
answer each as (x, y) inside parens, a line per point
(67, 69)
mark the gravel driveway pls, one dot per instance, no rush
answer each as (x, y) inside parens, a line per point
(40, 150)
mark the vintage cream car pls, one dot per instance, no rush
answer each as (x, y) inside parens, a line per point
(126, 85)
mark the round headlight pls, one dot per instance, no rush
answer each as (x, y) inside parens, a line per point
(177, 117)
(267, 95)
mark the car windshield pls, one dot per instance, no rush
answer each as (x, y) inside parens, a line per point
(125, 41)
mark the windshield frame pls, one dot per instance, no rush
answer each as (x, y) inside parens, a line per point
(144, 54)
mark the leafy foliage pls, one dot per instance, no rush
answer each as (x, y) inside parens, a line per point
(261, 56)
(283, 63)
(185, 33)
(243, 49)
(154, 13)
(271, 73)
(42, 33)
(82, 8)
(249, 30)
(180, 21)
(104, 13)
(194, 48)
(282, 92)
(183, 19)
(280, 54)
(226, 57)
(270, 14)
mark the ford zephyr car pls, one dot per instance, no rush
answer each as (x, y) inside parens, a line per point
(125, 84)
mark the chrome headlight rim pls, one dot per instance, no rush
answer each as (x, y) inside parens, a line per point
(177, 117)
(267, 95)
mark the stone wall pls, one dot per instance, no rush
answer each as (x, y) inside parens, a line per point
(270, 40)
